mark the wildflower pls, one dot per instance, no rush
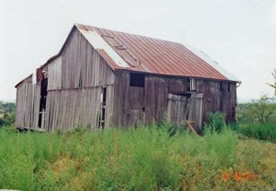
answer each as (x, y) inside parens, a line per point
(237, 176)
(224, 176)
(247, 176)
(255, 176)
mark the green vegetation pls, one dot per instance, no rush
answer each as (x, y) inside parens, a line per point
(215, 122)
(257, 111)
(7, 114)
(273, 85)
(259, 131)
(257, 119)
(157, 157)
(145, 158)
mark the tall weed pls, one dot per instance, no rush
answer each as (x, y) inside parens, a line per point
(142, 158)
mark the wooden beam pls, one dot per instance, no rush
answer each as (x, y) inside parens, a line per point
(189, 123)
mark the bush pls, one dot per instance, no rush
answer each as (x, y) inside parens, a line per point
(8, 119)
(7, 114)
(215, 122)
(259, 131)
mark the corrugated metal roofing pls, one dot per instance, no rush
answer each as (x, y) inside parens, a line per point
(145, 54)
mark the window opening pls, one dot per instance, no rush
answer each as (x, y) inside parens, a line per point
(229, 86)
(191, 84)
(103, 108)
(42, 104)
(137, 80)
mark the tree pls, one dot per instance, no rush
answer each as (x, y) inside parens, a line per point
(273, 85)
(7, 113)
(257, 111)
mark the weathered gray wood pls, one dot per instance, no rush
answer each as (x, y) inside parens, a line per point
(27, 104)
(75, 81)
(55, 74)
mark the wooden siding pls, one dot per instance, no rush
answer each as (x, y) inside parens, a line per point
(185, 107)
(82, 66)
(27, 104)
(74, 92)
(55, 74)
(67, 109)
(157, 100)
(217, 97)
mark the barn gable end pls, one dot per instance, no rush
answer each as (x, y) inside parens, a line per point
(84, 77)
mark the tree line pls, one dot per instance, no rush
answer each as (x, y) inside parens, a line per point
(7, 113)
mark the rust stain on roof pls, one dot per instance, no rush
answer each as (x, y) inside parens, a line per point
(150, 55)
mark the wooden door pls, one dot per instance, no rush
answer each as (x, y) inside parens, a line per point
(185, 107)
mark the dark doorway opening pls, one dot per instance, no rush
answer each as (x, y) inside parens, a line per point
(103, 108)
(43, 99)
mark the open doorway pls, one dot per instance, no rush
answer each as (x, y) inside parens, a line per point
(43, 99)
(102, 116)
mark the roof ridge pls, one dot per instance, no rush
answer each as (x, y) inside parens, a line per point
(140, 35)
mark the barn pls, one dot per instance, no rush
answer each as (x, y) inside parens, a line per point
(102, 78)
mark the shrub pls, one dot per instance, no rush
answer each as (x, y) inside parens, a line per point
(215, 121)
(259, 131)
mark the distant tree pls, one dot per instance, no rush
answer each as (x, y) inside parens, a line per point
(9, 107)
(7, 111)
(258, 111)
(273, 85)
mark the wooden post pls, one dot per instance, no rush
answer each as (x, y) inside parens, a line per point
(189, 123)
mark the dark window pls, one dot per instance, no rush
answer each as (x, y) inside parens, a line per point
(233, 112)
(229, 86)
(103, 106)
(104, 96)
(221, 86)
(43, 99)
(137, 80)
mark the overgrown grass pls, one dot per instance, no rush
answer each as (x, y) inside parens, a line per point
(266, 131)
(145, 158)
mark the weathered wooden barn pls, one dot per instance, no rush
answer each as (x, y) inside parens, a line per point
(103, 78)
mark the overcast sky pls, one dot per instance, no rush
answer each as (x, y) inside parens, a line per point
(239, 34)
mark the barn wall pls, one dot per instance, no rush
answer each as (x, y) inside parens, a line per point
(82, 66)
(218, 97)
(55, 74)
(76, 79)
(151, 103)
(136, 104)
(36, 104)
(27, 104)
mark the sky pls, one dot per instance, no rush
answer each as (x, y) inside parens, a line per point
(239, 34)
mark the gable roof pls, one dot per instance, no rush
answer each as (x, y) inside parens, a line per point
(124, 51)
(150, 55)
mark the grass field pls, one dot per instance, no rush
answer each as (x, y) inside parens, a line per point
(135, 159)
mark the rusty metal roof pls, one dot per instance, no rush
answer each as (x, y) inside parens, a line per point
(155, 56)
(148, 55)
